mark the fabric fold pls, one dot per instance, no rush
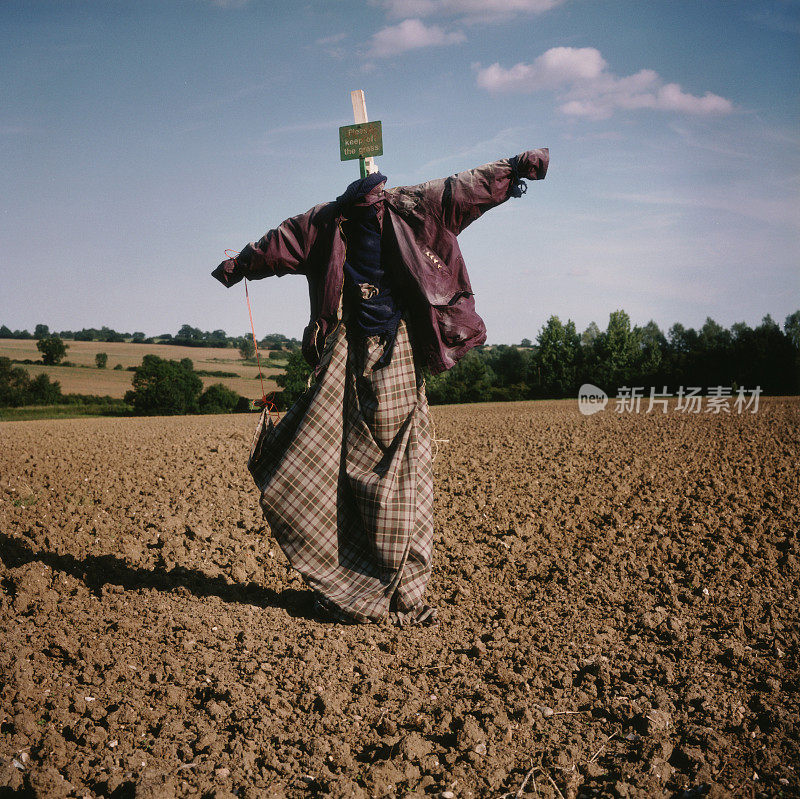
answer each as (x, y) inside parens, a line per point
(346, 479)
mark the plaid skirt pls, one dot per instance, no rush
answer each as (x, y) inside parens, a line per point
(346, 480)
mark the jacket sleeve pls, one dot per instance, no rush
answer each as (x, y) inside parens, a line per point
(466, 195)
(282, 251)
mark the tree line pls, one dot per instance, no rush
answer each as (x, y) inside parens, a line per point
(187, 336)
(555, 365)
(561, 360)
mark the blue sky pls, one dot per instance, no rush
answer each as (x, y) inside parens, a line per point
(139, 140)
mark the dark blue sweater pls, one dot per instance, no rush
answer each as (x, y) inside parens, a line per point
(373, 307)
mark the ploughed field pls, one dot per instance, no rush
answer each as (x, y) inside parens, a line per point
(618, 598)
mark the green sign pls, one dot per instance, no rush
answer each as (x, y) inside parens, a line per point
(362, 140)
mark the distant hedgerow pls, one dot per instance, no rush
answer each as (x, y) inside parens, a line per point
(17, 388)
(165, 387)
(219, 399)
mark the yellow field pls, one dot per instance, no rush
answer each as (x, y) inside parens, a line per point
(111, 383)
(126, 354)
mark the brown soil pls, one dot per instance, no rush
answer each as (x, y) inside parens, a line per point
(618, 599)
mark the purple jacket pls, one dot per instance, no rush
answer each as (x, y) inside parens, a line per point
(419, 245)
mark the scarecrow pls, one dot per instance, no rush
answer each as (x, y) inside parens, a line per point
(346, 476)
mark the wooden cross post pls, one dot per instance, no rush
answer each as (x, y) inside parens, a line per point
(367, 165)
(362, 140)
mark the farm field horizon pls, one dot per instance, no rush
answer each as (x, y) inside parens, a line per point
(86, 378)
(618, 598)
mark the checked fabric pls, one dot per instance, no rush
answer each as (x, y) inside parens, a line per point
(346, 479)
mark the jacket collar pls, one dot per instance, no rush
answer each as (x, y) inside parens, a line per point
(375, 197)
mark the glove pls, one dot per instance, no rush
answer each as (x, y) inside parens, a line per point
(228, 273)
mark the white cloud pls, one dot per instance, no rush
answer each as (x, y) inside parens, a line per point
(469, 9)
(585, 86)
(672, 98)
(333, 45)
(410, 34)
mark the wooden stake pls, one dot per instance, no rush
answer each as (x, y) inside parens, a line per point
(367, 165)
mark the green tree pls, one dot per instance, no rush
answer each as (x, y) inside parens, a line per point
(792, 329)
(682, 341)
(217, 338)
(44, 391)
(617, 352)
(246, 348)
(41, 331)
(17, 388)
(294, 380)
(653, 345)
(109, 334)
(14, 384)
(713, 335)
(138, 337)
(773, 356)
(558, 357)
(101, 360)
(192, 336)
(218, 398)
(712, 362)
(470, 380)
(53, 349)
(589, 336)
(623, 346)
(740, 330)
(435, 387)
(511, 367)
(165, 387)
